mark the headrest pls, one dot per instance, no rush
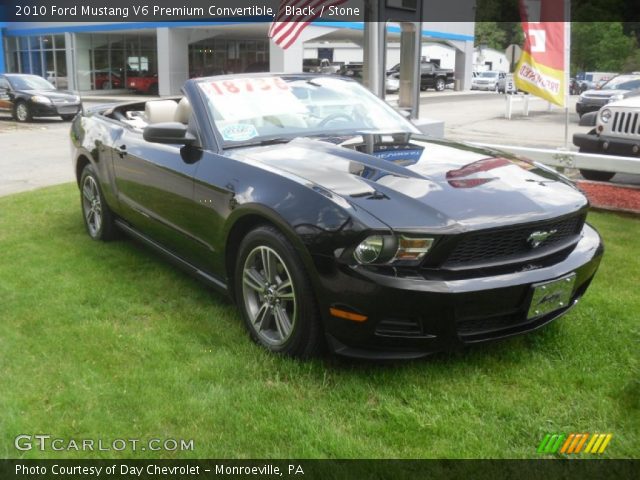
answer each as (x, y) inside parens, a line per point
(183, 112)
(159, 111)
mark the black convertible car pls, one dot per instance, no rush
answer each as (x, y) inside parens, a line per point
(331, 221)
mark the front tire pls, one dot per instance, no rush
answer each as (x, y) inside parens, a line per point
(98, 218)
(274, 294)
(22, 112)
(440, 84)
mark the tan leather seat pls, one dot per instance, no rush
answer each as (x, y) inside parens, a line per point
(160, 111)
(183, 112)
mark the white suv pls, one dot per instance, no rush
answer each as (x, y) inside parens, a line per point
(616, 132)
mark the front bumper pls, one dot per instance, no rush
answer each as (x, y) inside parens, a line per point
(614, 145)
(483, 86)
(412, 316)
(54, 110)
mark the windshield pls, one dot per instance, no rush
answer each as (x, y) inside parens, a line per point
(29, 82)
(254, 109)
(489, 74)
(623, 82)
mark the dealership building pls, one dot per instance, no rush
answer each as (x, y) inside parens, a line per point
(102, 56)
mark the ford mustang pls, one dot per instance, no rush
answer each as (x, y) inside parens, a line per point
(331, 221)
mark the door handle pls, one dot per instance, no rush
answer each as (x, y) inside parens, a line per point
(122, 150)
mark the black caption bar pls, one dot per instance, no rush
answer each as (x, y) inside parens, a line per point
(317, 10)
(319, 469)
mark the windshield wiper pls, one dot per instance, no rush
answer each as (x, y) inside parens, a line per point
(260, 143)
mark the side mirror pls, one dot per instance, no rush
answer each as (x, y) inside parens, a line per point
(174, 133)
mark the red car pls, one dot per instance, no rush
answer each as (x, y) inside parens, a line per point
(106, 81)
(147, 84)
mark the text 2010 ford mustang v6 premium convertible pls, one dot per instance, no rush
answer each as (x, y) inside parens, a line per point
(330, 220)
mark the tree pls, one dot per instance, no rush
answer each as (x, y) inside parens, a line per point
(489, 35)
(599, 46)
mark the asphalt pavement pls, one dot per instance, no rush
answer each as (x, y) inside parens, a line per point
(38, 154)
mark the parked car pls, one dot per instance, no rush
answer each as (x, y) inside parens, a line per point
(616, 132)
(60, 82)
(106, 80)
(352, 70)
(506, 84)
(487, 80)
(27, 96)
(615, 89)
(432, 76)
(590, 80)
(392, 83)
(331, 220)
(318, 65)
(146, 84)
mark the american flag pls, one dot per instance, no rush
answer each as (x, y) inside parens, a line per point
(286, 28)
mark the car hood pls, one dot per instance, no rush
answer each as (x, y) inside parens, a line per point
(631, 101)
(52, 94)
(603, 93)
(425, 184)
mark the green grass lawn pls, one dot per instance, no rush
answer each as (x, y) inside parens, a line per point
(107, 340)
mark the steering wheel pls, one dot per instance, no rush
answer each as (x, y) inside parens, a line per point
(333, 117)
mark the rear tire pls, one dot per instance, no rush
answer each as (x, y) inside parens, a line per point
(440, 84)
(98, 218)
(274, 294)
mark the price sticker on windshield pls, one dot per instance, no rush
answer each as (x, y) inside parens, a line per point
(245, 85)
(250, 98)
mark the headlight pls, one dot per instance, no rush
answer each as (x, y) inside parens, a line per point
(369, 250)
(40, 99)
(615, 98)
(605, 115)
(390, 249)
(581, 97)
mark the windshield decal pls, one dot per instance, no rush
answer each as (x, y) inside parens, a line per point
(245, 98)
(238, 132)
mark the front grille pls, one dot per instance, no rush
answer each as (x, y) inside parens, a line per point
(68, 110)
(625, 122)
(510, 244)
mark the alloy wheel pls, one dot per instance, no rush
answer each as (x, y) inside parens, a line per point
(269, 295)
(22, 112)
(91, 205)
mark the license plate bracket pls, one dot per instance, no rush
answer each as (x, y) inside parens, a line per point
(550, 296)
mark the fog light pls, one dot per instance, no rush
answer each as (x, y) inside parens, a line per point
(605, 145)
(369, 249)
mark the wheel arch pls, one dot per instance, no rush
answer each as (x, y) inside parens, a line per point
(249, 217)
(81, 162)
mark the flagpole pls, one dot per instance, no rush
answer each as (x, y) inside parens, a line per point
(567, 68)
